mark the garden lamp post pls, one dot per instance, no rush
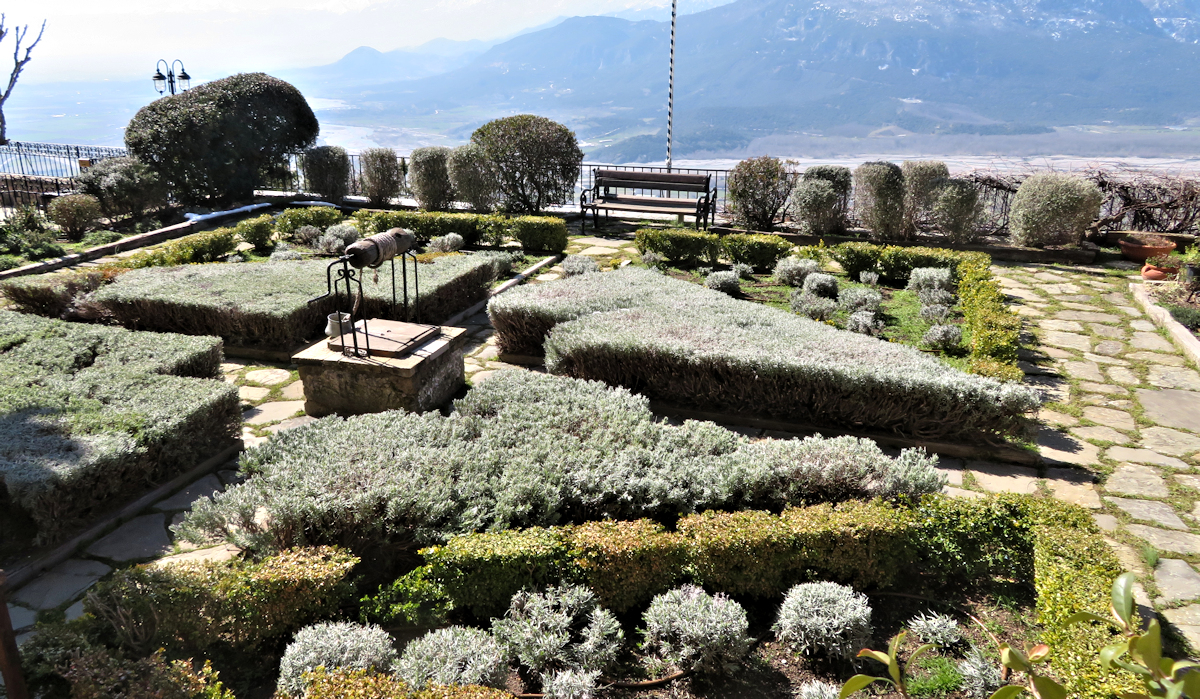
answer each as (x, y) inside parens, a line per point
(164, 83)
(671, 87)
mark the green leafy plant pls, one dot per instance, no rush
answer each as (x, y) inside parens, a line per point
(429, 178)
(678, 245)
(758, 188)
(757, 250)
(879, 199)
(257, 231)
(540, 233)
(382, 176)
(474, 178)
(327, 172)
(290, 220)
(898, 675)
(1053, 208)
(126, 187)
(76, 214)
(536, 161)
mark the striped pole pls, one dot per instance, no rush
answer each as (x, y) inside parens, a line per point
(671, 86)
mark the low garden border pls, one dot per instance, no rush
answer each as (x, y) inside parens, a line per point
(1183, 337)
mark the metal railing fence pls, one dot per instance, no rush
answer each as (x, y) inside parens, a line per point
(587, 180)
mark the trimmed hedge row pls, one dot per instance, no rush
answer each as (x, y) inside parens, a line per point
(682, 246)
(360, 684)
(266, 304)
(52, 295)
(540, 233)
(93, 413)
(869, 545)
(207, 246)
(526, 449)
(677, 342)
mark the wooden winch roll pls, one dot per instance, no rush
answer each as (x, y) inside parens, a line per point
(379, 248)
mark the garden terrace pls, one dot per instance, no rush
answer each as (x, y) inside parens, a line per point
(686, 345)
(94, 413)
(521, 450)
(267, 304)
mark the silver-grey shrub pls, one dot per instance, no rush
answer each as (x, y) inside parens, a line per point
(527, 449)
(869, 278)
(653, 259)
(824, 619)
(856, 298)
(812, 306)
(980, 674)
(571, 684)
(429, 178)
(1053, 208)
(306, 235)
(815, 203)
(692, 630)
(455, 655)
(283, 253)
(938, 629)
(632, 327)
(743, 271)
(725, 282)
(560, 629)
(579, 264)
(334, 646)
(473, 178)
(936, 297)
(792, 271)
(335, 238)
(821, 284)
(879, 199)
(943, 337)
(934, 313)
(814, 689)
(931, 278)
(451, 242)
(957, 209)
(864, 323)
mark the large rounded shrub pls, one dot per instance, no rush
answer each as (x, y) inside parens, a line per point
(693, 630)
(454, 655)
(473, 178)
(842, 181)
(879, 199)
(215, 141)
(76, 214)
(536, 161)
(382, 175)
(814, 203)
(429, 178)
(327, 172)
(757, 189)
(824, 619)
(1053, 208)
(334, 646)
(956, 209)
(124, 186)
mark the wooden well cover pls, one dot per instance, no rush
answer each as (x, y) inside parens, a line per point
(388, 338)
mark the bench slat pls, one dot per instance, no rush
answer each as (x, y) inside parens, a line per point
(657, 177)
(660, 208)
(653, 186)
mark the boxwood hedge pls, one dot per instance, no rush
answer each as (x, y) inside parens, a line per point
(91, 414)
(678, 342)
(526, 449)
(267, 304)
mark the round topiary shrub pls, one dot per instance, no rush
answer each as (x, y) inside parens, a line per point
(824, 619)
(923, 278)
(792, 271)
(257, 231)
(921, 181)
(536, 161)
(820, 284)
(327, 172)
(454, 655)
(842, 180)
(956, 209)
(813, 306)
(943, 337)
(757, 189)
(690, 629)
(124, 186)
(855, 298)
(879, 199)
(1052, 208)
(429, 178)
(334, 646)
(574, 265)
(451, 242)
(382, 175)
(863, 322)
(725, 282)
(217, 140)
(75, 214)
(474, 178)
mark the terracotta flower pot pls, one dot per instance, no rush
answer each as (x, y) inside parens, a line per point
(1137, 251)
(1158, 274)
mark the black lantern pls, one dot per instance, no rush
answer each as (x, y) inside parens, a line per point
(167, 83)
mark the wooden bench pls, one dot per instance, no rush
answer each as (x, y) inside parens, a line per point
(605, 195)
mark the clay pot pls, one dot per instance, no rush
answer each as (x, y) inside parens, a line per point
(1157, 274)
(1137, 251)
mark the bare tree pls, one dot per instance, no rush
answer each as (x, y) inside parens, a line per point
(18, 66)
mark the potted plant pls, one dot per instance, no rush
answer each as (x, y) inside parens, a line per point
(1190, 276)
(1162, 267)
(1141, 246)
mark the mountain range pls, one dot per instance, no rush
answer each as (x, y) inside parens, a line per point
(825, 68)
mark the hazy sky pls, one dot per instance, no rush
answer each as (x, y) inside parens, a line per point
(122, 39)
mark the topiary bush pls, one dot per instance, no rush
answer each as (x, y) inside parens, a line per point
(288, 221)
(813, 306)
(856, 258)
(757, 189)
(922, 178)
(456, 655)
(957, 209)
(215, 141)
(824, 619)
(451, 242)
(429, 178)
(879, 199)
(678, 245)
(820, 284)
(560, 629)
(692, 630)
(855, 298)
(75, 214)
(474, 178)
(124, 187)
(758, 251)
(792, 271)
(842, 181)
(257, 231)
(942, 337)
(540, 233)
(536, 161)
(816, 204)
(333, 646)
(725, 282)
(327, 172)
(1053, 208)
(208, 246)
(864, 323)
(575, 265)
(382, 175)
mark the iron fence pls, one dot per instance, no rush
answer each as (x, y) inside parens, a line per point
(290, 178)
(31, 174)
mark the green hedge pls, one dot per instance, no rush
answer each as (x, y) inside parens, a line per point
(360, 684)
(869, 545)
(679, 245)
(686, 345)
(92, 414)
(758, 250)
(52, 295)
(541, 233)
(288, 221)
(475, 229)
(208, 246)
(266, 304)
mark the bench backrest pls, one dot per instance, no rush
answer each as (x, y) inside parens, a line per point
(663, 181)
